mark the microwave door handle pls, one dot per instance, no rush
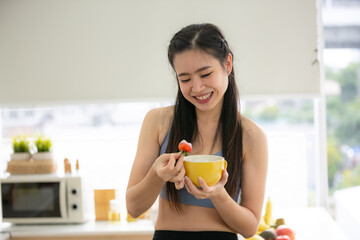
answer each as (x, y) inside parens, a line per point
(63, 201)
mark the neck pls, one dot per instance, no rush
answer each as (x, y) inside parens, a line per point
(209, 117)
(207, 124)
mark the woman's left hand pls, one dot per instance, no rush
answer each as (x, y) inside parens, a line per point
(206, 191)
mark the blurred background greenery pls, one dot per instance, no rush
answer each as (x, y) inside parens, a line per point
(343, 122)
(343, 128)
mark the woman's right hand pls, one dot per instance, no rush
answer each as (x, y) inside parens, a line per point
(170, 168)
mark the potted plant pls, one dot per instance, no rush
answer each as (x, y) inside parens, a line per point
(43, 147)
(20, 146)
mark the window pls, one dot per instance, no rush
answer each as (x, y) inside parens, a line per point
(342, 87)
(292, 139)
(103, 137)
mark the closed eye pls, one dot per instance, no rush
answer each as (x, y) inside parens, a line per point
(185, 80)
(206, 75)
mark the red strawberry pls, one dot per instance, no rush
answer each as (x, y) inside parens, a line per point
(185, 147)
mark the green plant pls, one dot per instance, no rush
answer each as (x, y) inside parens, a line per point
(20, 144)
(43, 144)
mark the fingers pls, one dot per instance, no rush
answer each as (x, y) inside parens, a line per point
(166, 166)
(171, 162)
(180, 162)
(176, 155)
(206, 191)
(203, 185)
(180, 184)
(187, 185)
(224, 177)
(179, 176)
(179, 179)
(170, 166)
(191, 188)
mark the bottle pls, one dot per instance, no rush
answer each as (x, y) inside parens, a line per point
(67, 166)
(77, 166)
(114, 212)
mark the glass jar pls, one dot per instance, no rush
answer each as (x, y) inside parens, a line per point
(114, 212)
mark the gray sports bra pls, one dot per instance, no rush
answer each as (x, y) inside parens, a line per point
(183, 195)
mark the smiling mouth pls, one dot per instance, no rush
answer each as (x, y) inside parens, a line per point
(204, 97)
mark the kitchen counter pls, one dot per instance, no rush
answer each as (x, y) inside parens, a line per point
(309, 224)
(4, 236)
(139, 230)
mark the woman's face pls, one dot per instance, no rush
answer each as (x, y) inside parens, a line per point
(202, 79)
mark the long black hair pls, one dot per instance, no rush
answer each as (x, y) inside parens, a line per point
(208, 38)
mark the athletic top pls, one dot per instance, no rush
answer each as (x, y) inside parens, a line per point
(183, 195)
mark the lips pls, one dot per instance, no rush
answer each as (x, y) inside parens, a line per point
(204, 98)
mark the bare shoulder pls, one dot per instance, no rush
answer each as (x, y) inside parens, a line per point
(161, 116)
(160, 119)
(254, 137)
(161, 113)
(250, 128)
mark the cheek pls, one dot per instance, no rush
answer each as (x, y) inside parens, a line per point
(221, 81)
(226, 80)
(184, 89)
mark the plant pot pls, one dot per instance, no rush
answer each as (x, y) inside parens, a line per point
(20, 156)
(42, 156)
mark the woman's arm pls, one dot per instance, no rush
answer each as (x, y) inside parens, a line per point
(150, 171)
(243, 218)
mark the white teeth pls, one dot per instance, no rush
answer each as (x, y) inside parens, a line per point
(204, 96)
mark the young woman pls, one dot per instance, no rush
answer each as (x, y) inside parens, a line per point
(206, 113)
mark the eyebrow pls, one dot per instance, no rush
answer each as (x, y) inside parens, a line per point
(199, 70)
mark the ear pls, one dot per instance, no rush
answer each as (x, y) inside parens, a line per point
(228, 64)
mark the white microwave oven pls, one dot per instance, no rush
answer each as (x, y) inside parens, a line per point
(43, 198)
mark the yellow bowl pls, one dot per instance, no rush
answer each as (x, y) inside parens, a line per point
(208, 167)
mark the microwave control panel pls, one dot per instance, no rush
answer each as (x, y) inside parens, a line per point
(75, 199)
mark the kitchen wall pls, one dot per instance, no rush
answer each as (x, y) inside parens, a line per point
(92, 50)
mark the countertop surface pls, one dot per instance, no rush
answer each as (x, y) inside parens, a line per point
(309, 224)
(88, 228)
(4, 236)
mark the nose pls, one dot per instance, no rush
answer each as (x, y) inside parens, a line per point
(198, 85)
